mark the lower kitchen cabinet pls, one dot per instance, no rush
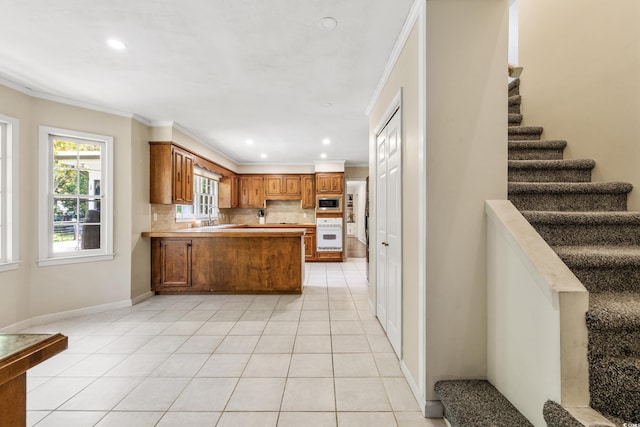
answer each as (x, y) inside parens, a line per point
(328, 256)
(171, 265)
(310, 244)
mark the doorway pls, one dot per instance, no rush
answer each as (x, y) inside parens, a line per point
(355, 204)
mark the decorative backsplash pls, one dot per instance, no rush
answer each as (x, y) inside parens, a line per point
(276, 211)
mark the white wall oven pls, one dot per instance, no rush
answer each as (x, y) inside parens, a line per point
(329, 234)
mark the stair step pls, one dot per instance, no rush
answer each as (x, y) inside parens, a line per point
(536, 149)
(614, 384)
(556, 415)
(574, 196)
(603, 256)
(477, 403)
(514, 104)
(514, 87)
(604, 268)
(522, 133)
(613, 321)
(550, 170)
(515, 119)
(586, 228)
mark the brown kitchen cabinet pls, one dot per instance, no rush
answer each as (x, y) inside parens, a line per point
(171, 265)
(228, 192)
(330, 183)
(307, 182)
(329, 256)
(251, 191)
(282, 187)
(171, 178)
(310, 244)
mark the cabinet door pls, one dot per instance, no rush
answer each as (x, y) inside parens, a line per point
(234, 191)
(245, 192)
(323, 184)
(175, 264)
(178, 176)
(291, 185)
(308, 192)
(336, 183)
(273, 185)
(256, 198)
(228, 192)
(182, 177)
(188, 179)
(310, 245)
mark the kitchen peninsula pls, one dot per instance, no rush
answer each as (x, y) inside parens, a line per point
(227, 259)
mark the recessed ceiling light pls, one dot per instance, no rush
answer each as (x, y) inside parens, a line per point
(326, 141)
(323, 155)
(263, 156)
(116, 44)
(328, 23)
(249, 141)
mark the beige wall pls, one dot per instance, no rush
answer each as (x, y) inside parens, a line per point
(466, 165)
(356, 172)
(405, 76)
(580, 81)
(33, 291)
(140, 209)
(14, 284)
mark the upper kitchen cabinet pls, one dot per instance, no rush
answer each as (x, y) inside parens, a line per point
(251, 191)
(308, 193)
(228, 192)
(330, 183)
(282, 187)
(171, 174)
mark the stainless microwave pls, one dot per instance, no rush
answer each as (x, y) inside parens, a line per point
(329, 203)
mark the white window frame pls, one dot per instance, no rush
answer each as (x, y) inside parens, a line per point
(188, 217)
(45, 232)
(9, 192)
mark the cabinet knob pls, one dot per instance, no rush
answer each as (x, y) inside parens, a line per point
(385, 244)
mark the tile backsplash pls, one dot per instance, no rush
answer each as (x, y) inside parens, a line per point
(276, 211)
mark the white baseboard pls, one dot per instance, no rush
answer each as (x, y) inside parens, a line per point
(63, 315)
(422, 403)
(142, 297)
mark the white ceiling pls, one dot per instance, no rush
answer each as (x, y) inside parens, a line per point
(226, 70)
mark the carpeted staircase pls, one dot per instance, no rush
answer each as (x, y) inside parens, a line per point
(589, 227)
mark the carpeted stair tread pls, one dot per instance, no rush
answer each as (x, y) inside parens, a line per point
(556, 416)
(552, 164)
(599, 256)
(514, 85)
(515, 100)
(477, 403)
(515, 119)
(536, 149)
(614, 310)
(570, 187)
(524, 132)
(583, 218)
(538, 143)
(615, 387)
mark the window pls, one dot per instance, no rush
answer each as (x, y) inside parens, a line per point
(76, 211)
(205, 198)
(8, 193)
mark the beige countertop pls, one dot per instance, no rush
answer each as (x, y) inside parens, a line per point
(235, 230)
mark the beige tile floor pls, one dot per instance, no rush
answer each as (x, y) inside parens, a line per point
(316, 359)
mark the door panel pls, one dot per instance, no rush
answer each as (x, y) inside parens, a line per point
(381, 232)
(389, 232)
